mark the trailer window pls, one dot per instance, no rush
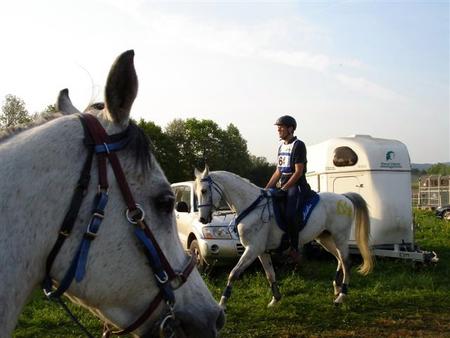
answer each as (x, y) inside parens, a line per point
(344, 157)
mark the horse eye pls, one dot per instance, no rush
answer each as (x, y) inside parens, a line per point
(165, 202)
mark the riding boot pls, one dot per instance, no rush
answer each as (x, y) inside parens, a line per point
(294, 256)
(292, 218)
(293, 234)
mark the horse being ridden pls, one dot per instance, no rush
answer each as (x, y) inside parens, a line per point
(330, 225)
(119, 279)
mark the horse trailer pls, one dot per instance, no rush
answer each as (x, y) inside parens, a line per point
(380, 171)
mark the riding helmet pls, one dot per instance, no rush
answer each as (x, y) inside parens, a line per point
(286, 120)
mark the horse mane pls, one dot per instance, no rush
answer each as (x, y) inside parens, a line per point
(246, 180)
(137, 139)
(142, 145)
(39, 120)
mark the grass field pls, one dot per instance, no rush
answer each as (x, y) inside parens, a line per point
(396, 300)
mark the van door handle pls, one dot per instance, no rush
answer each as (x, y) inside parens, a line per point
(359, 185)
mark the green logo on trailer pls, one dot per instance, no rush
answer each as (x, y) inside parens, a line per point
(390, 155)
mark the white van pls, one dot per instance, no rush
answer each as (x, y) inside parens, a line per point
(215, 243)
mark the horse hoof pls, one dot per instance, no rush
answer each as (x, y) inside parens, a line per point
(273, 302)
(340, 299)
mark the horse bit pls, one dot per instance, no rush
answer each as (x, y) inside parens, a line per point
(168, 280)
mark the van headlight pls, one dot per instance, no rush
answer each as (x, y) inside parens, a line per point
(216, 233)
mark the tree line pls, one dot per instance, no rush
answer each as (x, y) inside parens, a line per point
(184, 144)
(191, 143)
(436, 169)
(187, 144)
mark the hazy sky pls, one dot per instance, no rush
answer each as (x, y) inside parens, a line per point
(339, 67)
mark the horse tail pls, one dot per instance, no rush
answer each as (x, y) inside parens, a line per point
(362, 231)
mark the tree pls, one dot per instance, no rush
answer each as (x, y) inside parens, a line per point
(260, 171)
(176, 131)
(46, 113)
(188, 144)
(439, 169)
(198, 142)
(203, 141)
(164, 149)
(13, 112)
(235, 155)
(50, 109)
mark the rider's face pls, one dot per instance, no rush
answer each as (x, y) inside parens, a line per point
(284, 132)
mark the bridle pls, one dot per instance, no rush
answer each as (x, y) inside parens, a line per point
(214, 186)
(104, 147)
(211, 186)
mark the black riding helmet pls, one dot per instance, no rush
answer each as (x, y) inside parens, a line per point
(287, 121)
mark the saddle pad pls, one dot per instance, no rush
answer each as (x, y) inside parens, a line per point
(308, 206)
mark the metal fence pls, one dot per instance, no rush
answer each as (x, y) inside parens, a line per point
(434, 191)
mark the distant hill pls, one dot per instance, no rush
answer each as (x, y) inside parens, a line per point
(424, 166)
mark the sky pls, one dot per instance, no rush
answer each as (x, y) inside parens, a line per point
(339, 67)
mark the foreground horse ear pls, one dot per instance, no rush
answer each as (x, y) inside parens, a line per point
(64, 104)
(121, 88)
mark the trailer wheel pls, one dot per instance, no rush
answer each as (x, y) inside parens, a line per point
(446, 215)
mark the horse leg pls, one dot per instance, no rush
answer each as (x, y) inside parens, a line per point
(326, 240)
(244, 262)
(343, 258)
(266, 262)
(337, 282)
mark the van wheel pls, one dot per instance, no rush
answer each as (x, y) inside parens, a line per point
(195, 249)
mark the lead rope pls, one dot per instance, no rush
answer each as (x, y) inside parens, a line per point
(74, 318)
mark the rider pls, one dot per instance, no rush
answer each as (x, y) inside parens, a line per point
(289, 176)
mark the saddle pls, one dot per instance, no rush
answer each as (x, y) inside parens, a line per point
(279, 209)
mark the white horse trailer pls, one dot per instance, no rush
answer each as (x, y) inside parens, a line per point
(380, 171)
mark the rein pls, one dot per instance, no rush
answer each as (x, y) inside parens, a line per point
(104, 147)
(250, 208)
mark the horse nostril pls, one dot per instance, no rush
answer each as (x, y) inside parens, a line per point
(203, 220)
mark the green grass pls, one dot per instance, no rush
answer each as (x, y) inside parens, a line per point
(397, 299)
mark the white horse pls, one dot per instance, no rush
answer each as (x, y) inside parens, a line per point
(39, 169)
(329, 224)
